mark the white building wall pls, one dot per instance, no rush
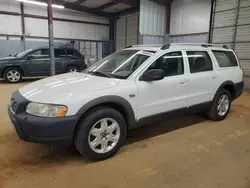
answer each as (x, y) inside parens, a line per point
(36, 27)
(8, 5)
(67, 30)
(127, 28)
(64, 13)
(15, 27)
(152, 18)
(62, 29)
(120, 33)
(190, 17)
(80, 31)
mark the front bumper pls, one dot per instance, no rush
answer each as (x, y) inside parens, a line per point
(55, 131)
(1, 72)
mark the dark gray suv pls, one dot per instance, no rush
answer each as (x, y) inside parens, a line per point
(33, 63)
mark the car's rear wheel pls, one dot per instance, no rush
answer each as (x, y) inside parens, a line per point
(101, 133)
(73, 69)
(221, 105)
(13, 75)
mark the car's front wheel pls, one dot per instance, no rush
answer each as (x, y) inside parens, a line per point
(101, 133)
(13, 75)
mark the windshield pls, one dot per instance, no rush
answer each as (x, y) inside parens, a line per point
(23, 53)
(120, 64)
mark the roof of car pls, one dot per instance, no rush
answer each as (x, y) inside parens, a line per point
(145, 47)
(56, 47)
(180, 46)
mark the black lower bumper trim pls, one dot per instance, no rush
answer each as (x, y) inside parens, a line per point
(55, 131)
(238, 89)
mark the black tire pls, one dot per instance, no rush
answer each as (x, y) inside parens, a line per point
(85, 126)
(70, 68)
(213, 112)
(16, 71)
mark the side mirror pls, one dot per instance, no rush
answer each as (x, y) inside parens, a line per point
(153, 75)
(29, 57)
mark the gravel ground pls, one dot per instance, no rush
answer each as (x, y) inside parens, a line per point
(187, 152)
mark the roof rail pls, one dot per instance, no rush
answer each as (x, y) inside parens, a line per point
(145, 45)
(57, 46)
(166, 46)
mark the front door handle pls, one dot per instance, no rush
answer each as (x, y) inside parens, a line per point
(183, 82)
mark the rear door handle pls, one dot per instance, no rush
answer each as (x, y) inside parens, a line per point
(214, 77)
(182, 82)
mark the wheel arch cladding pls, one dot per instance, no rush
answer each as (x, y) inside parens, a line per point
(12, 66)
(73, 65)
(230, 86)
(118, 103)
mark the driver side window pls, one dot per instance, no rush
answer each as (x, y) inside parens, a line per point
(171, 63)
(39, 54)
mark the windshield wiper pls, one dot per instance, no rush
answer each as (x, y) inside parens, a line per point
(97, 73)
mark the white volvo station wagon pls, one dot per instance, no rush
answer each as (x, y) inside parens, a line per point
(135, 86)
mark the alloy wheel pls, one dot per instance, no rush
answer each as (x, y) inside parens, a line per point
(223, 105)
(73, 70)
(13, 76)
(104, 135)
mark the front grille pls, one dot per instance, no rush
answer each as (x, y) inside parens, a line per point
(14, 105)
(18, 103)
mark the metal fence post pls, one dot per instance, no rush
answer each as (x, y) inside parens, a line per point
(51, 37)
(212, 18)
(23, 40)
(236, 23)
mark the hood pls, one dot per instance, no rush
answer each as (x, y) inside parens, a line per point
(7, 58)
(65, 87)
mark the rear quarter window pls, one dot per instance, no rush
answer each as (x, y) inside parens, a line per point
(73, 53)
(225, 58)
(199, 61)
(59, 53)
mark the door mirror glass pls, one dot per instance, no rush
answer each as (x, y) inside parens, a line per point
(153, 75)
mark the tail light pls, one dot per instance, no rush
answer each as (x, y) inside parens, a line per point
(242, 74)
(242, 70)
(83, 61)
(240, 66)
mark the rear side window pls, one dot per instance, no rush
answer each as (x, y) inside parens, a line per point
(73, 53)
(225, 58)
(59, 53)
(199, 61)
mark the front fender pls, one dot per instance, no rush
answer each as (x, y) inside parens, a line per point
(111, 99)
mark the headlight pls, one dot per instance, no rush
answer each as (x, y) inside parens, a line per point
(46, 110)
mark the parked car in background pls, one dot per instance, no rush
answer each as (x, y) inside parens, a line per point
(34, 63)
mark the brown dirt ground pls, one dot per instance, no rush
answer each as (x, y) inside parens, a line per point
(187, 152)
